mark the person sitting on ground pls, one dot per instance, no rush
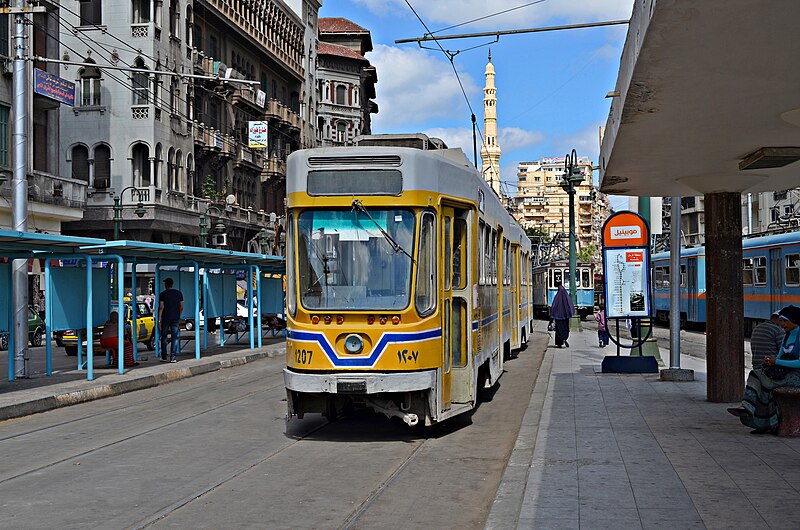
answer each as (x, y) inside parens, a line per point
(766, 339)
(758, 410)
(108, 340)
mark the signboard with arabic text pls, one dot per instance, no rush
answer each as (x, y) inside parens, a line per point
(53, 87)
(257, 136)
(626, 266)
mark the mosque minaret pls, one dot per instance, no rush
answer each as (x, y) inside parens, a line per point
(490, 150)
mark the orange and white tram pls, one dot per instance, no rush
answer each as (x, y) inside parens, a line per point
(408, 282)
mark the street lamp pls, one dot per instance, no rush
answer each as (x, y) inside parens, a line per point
(219, 227)
(139, 211)
(571, 179)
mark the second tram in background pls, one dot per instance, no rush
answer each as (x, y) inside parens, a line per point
(407, 281)
(770, 274)
(545, 278)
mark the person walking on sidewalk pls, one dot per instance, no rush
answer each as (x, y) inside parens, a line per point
(561, 311)
(170, 307)
(759, 410)
(766, 339)
(602, 328)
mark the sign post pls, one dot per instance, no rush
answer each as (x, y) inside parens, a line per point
(626, 269)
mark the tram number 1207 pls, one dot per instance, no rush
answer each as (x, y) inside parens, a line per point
(303, 356)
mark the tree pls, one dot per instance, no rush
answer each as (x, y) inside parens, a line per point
(586, 254)
(537, 233)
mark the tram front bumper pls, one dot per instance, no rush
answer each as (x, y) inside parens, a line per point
(359, 383)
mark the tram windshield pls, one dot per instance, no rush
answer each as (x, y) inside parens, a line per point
(354, 259)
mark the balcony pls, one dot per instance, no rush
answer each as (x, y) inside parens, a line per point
(248, 96)
(249, 158)
(274, 168)
(45, 188)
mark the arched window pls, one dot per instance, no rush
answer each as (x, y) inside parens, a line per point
(140, 11)
(189, 24)
(174, 18)
(178, 181)
(174, 95)
(90, 84)
(341, 131)
(341, 92)
(102, 167)
(159, 166)
(80, 163)
(171, 169)
(140, 165)
(192, 187)
(141, 93)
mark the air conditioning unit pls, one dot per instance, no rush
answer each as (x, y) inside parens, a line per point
(219, 240)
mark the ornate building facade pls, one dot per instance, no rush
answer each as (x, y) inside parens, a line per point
(346, 82)
(170, 129)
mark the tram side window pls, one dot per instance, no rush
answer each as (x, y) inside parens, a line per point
(585, 278)
(493, 257)
(481, 254)
(662, 277)
(747, 271)
(426, 273)
(557, 278)
(567, 280)
(291, 293)
(683, 276)
(447, 253)
(792, 273)
(506, 262)
(459, 251)
(760, 270)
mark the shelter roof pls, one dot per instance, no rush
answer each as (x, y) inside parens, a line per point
(14, 241)
(700, 88)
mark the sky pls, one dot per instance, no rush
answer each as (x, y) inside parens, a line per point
(551, 86)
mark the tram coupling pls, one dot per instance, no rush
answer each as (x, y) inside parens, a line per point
(389, 409)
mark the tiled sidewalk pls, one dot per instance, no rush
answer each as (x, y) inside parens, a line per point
(629, 451)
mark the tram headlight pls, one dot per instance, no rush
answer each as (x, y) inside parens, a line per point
(353, 344)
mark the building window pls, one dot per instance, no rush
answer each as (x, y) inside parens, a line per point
(775, 214)
(80, 163)
(5, 113)
(141, 11)
(174, 95)
(102, 167)
(91, 12)
(174, 18)
(340, 95)
(341, 132)
(90, 85)
(5, 35)
(139, 81)
(140, 165)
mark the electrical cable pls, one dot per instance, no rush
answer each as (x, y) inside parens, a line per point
(487, 16)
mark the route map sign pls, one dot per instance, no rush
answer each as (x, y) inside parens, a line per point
(626, 266)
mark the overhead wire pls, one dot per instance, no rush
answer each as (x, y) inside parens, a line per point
(486, 16)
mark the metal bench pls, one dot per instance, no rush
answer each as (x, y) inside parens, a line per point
(788, 401)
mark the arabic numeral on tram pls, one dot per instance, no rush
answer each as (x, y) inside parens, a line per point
(303, 356)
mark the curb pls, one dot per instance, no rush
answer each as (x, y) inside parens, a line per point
(66, 399)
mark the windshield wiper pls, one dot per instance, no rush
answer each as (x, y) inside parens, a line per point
(357, 205)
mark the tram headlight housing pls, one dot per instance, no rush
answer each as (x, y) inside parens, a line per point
(353, 344)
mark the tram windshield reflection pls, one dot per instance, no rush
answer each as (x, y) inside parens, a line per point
(346, 262)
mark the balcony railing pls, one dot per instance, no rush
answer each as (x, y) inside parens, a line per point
(45, 188)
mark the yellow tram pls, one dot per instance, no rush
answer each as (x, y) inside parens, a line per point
(408, 282)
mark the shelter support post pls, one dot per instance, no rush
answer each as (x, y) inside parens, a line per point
(197, 311)
(134, 314)
(674, 372)
(725, 306)
(250, 320)
(260, 307)
(89, 327)
(119, 278)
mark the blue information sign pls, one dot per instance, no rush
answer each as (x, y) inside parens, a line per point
(53, 87)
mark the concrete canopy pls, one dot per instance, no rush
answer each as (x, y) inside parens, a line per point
(701, 86)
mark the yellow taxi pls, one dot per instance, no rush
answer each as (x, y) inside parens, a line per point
(144, 319)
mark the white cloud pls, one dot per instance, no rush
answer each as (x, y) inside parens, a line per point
(413, 87)
(510, 139)
(441, 13)
(586, 142)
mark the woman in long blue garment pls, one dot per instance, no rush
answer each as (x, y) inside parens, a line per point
(758, 410)
(561, 311)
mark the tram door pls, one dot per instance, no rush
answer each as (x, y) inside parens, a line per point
(457, 378)
(775, 280)
(691, 284)
(514, 269)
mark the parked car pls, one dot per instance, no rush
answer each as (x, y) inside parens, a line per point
(146, 335)
(35, 330)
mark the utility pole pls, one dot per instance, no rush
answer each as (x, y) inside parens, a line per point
(19, 184)
(571, 179)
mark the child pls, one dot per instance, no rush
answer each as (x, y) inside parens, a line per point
(602, 330)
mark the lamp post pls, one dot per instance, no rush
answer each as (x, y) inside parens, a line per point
(139, 211)
(219, 226)
(571, 179)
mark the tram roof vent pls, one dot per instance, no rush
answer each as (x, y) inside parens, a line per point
(354, 161)
(414, 141)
